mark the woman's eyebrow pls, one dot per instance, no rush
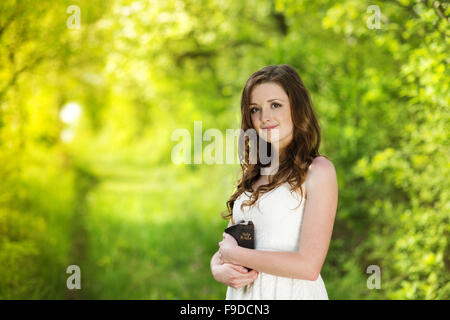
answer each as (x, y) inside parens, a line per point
(270, 100)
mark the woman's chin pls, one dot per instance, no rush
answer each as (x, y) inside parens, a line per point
(269, 137)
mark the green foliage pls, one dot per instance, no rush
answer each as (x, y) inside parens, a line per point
(102, 192)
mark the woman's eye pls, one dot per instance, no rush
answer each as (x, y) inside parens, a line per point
(277, 105)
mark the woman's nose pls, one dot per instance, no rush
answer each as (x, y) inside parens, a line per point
(266, 116)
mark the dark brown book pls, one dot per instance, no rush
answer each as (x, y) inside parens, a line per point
(244, 233)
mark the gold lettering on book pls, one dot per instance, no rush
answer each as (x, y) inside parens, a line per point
(246, 236)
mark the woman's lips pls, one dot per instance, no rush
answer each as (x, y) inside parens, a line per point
(269, 128)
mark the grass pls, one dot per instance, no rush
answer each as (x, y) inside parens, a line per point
(151, 235)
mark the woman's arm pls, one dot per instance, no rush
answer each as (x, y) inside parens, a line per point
(317, 228)
(229, 274)
(283, 264)
(215, 260)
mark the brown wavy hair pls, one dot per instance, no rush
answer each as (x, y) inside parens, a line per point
(297, 156)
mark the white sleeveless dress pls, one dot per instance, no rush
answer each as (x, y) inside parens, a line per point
(277, 216)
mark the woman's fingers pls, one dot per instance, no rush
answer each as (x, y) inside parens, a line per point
(246, 280)
(239, 276)
(239, 268)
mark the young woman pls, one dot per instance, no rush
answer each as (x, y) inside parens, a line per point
(295, 204)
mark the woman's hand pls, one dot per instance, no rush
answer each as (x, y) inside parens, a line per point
(226, 246)
(233, 275)
(230, 274)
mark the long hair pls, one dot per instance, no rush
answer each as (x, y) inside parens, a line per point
(300, 152)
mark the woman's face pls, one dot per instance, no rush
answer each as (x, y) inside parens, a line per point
(269, 106)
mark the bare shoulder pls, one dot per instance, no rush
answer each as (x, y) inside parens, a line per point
(321, 172)
(320, 164)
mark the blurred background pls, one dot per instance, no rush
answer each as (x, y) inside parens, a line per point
(91, 92)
